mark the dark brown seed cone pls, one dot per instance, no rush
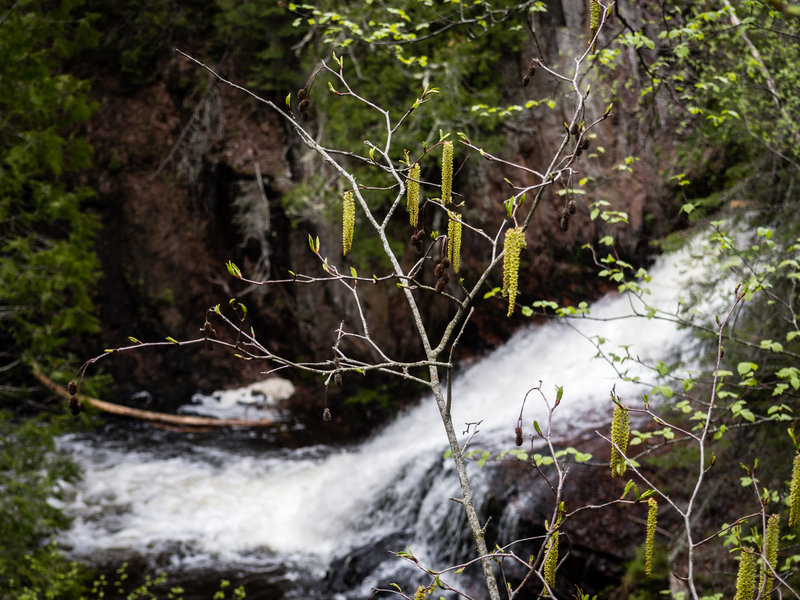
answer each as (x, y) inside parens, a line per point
(304, 114)
(438, 270)
(337, 379)
(564, 222)
(526, 80)
(574, 129)
(518, 435)
(418, 245)
(572, 206)
(72, 388)
(74, 406)
(326, 415)
(578, 151)
(303, 106)
(445, 277)
(439, 285)
(446, 262)
(301, 93)
(585, 143)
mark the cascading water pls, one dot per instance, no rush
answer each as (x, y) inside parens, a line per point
(319, 521)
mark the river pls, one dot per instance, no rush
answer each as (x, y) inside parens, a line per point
(319, 521)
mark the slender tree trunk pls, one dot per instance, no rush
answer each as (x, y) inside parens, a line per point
(466, 490)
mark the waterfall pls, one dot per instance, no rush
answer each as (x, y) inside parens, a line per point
(328, 516)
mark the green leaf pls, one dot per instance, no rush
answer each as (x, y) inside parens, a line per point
(746, 367)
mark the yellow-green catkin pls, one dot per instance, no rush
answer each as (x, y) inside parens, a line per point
(412, 195)
(620, 431)
(746, 579)
(794, 494)
(551, 560)
(594, 20)
(771, 540)
(454, 241)
(348, 221)
(420, 594)
(447, 172)
(514, 243)
(650, 537)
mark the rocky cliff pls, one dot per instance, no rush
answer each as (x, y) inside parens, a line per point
(192, 173)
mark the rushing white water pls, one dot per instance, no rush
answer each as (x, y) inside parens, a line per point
(195, 504)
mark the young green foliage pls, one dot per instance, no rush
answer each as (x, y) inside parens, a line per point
(514, 243)
(348, 221)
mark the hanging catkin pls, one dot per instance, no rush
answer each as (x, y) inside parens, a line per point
(650, 537)
(594, 20)
(771, 540)
(447, 172)
(620, 430)
(746, 579)
(348, 221)
(514, 243)
(454, 240)
(794, 494)
(551, 560)
(412, 195)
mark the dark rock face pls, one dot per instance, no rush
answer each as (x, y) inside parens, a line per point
(190, 182)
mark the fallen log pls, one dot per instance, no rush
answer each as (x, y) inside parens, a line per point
(149, 415)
